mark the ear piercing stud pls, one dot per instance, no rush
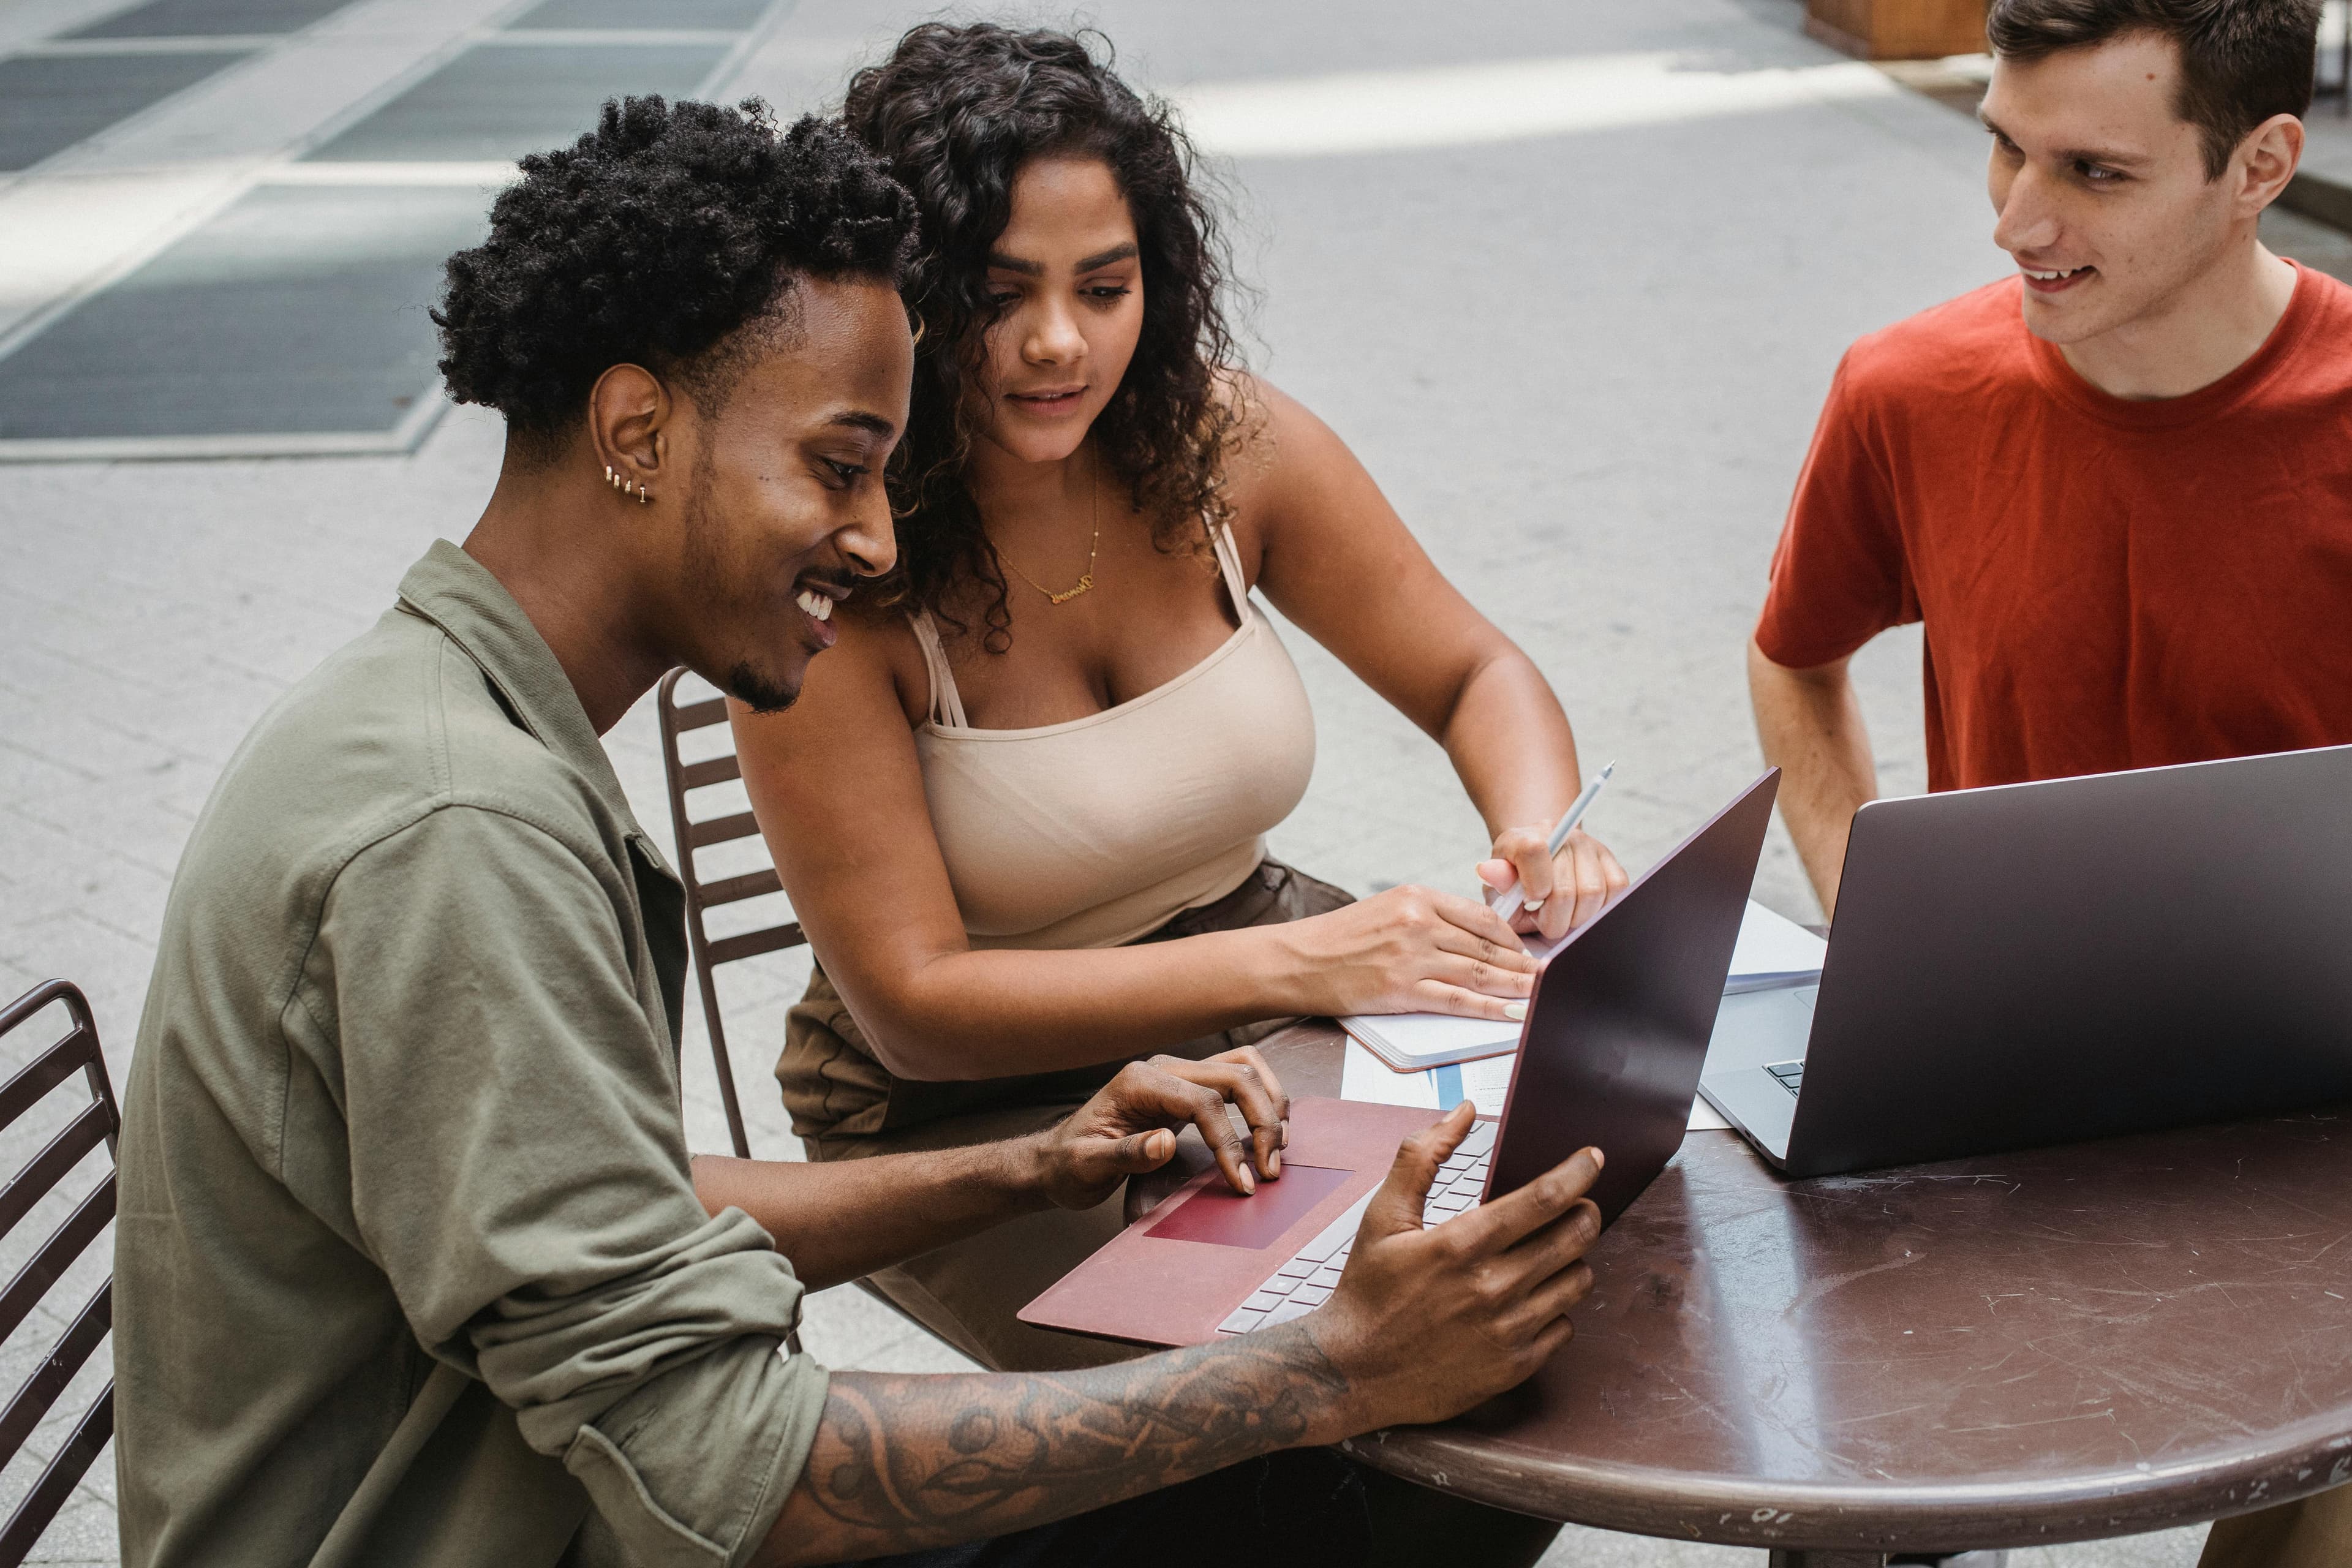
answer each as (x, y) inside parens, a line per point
(625, 487)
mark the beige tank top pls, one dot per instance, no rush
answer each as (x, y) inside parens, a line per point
(1091, 833)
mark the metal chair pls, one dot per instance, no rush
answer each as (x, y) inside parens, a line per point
(100, 1122)
(685, 778)
(679, 719)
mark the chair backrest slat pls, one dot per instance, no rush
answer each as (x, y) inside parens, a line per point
(678, 719)
(721, 829)
(701, 715)
(23, 1531)
(48, 1266)
(715, 770)
(41, 1390)
(752, 943)
(735, 889)
(97, 1123)
(24, 1092)
(50, 1167)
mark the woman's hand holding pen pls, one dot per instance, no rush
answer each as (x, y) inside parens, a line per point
(1557, 892)
(1548, 883)
(1408, 949)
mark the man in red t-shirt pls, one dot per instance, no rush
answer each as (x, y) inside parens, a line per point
(2116, 487)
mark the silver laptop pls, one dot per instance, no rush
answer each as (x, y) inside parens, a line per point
(2041, 963)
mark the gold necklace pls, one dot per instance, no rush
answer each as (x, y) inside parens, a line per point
(1085, 580)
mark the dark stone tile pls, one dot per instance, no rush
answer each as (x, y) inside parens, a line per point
(300, 310)
(724, 16)
(50, 102)
(209, 18)
(500, 101)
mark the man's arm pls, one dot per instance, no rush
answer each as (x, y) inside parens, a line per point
(841, 1220)
(844, 1219)
(1424, 1323)
(1810, 721)
(902, 1463)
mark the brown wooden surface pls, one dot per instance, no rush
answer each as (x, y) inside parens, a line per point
(1898, 29)
(2052, 1345)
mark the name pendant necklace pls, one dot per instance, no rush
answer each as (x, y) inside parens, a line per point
(1087, 579)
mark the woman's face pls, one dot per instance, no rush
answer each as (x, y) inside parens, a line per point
(1069, 292)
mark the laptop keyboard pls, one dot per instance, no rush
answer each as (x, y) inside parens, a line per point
(1305, 1283)
(1790, 1075)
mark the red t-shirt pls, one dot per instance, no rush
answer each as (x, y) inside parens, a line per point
(2106, 583)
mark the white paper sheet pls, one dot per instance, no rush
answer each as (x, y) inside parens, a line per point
(1769, 947)
(1485, 1083)
(1772, 945)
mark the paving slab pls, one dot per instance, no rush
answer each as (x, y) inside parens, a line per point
(2328, 146)
(1583, 365)
(495, 103)
(199, 18)
(300, 311)
(629, 16)
(49, 102)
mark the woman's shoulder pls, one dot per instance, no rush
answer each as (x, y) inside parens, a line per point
(1275, 447)
(877, 643)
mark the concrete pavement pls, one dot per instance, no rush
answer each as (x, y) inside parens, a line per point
(1580, 351)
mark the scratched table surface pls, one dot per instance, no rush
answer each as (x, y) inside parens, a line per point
(2049, 1345)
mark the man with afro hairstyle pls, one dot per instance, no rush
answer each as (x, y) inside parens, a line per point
(413, 1266)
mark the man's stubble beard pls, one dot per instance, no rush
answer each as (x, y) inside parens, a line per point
(755, 692)
(708, 583)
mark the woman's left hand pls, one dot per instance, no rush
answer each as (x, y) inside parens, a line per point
(1557, 893)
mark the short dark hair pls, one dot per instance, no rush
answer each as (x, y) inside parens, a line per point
(2241, 62)
(651, 240)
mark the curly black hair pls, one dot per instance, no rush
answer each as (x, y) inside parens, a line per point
(956, 111)
(650, 241)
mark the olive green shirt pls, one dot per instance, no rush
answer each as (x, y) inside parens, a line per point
(409, 1266)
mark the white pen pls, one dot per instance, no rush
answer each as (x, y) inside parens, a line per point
(1506, 901)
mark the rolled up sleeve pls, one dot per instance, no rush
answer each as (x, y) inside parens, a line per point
(518, 1171)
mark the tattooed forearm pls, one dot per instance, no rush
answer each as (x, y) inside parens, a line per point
(901, 1463)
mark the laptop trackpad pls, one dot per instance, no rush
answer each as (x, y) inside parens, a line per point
(1218, 1214)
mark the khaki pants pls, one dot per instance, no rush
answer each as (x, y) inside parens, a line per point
(2314, 1532)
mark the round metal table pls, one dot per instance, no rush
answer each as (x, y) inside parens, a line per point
(2057, 1344)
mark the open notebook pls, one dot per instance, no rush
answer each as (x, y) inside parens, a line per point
(1772, 950)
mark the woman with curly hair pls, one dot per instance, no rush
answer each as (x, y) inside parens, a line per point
(1021, 810)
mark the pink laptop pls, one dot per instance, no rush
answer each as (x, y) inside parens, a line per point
(1610, 1055)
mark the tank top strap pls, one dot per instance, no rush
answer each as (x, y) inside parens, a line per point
(947, 703)
(1229, 562)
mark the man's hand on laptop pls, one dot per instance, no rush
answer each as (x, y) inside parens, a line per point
(1429, 1320)
(1130, 1126)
